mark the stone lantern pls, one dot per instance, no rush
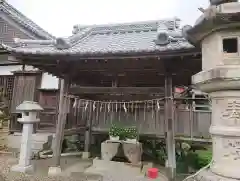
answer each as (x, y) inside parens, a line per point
(29, 111)
(217, 32)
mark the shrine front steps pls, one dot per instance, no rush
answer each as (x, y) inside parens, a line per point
(102, 166)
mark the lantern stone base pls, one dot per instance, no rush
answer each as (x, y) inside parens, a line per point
(54, 171)
(23, 169)
(223, 86)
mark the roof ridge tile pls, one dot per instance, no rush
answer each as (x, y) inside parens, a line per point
(153, 24)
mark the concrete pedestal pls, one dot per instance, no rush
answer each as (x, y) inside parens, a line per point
(109, 150)
(133, 151)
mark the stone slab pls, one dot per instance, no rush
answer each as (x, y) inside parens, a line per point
(102, 166)
(85, 155)
(54, 171)
(22, 169)
(87, 176)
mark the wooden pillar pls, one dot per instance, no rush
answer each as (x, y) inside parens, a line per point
(191, 113)
(169, 125)
(61, 121)
(88, 133)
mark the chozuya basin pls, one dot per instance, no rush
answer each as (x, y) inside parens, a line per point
(218, 2)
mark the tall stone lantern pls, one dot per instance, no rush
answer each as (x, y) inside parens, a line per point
(217, 31)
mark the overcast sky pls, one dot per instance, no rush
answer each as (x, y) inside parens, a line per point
(59, 16)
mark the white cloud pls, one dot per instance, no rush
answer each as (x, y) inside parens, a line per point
(59, 16)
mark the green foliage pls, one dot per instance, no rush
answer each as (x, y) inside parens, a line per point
(130, 133)
(115, 131)
(123, 132)
(196, 157)
(161, 156)
(204, 157)
(154, 151)
(190, 156)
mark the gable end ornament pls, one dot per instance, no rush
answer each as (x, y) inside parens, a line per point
(62, 43)
(162, 39)
(162, 35)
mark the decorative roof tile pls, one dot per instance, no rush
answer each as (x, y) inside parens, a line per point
(113, 38)
(22, 20)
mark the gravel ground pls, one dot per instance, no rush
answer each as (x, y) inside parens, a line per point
(7, 161)
(5, 175)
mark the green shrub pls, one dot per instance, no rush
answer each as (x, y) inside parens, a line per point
(115, 131)
(130, 133)
(204, 157)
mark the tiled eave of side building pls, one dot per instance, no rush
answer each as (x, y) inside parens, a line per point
(149, 37)
(9, 13)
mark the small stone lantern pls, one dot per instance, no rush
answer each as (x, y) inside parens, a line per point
(29, 111)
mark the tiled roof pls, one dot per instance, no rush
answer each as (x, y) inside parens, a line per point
(150, 36)
(23, 21)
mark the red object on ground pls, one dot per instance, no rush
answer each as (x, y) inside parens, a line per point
(152, 173)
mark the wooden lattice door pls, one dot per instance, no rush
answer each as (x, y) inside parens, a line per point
(6, 87)
(24, 89)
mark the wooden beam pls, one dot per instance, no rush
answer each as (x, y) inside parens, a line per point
(125, 97)
(72, 131)
(115, 90)
(136, 55)
(124, 65)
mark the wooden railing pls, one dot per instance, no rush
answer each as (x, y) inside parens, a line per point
(187, 123)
